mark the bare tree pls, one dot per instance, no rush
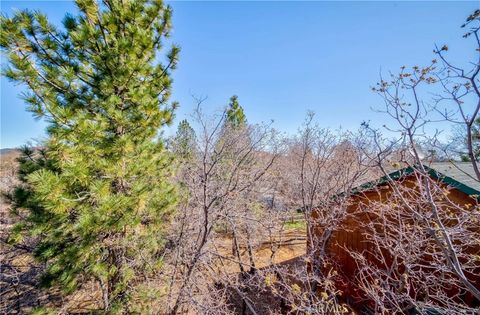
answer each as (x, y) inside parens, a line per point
(461, 86)
(319, 170)
(224, 183)
(421, 237)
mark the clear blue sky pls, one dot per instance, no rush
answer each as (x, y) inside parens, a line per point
(282, 58)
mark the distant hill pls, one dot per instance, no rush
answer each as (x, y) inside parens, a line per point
(8, 167)
(8, 150)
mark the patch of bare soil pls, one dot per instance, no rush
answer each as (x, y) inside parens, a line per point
(291, 244)
(283, 255)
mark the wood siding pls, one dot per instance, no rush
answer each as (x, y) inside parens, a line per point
(349, 235)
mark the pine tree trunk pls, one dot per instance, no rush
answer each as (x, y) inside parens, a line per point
(117, 296)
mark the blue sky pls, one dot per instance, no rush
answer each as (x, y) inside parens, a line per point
(282, 58)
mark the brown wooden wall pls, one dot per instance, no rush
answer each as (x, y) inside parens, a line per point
(349, 234)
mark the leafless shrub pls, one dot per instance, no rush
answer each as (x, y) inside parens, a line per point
(421, 236)
(221, 222)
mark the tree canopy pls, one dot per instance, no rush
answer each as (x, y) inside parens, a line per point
(184, 141)
(235, 115)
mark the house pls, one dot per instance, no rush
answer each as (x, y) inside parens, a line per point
(385, 236)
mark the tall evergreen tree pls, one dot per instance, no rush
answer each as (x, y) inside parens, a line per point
(235, 115)
(100, 194)
(184, 142)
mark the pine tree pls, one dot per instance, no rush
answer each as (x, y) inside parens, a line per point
(100, 194)
(184, 142)
(235, 115)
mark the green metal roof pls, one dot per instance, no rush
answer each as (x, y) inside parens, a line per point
(449, 173)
